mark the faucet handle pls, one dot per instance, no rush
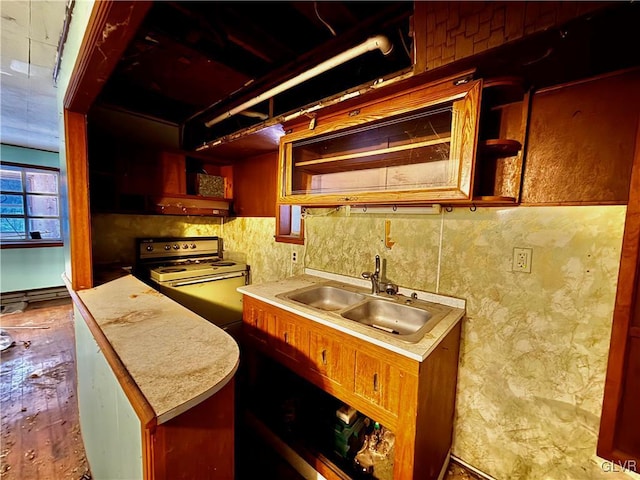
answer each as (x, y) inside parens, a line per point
(391, 289)
(367, 275)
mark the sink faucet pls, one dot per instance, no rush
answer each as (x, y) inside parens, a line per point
(374, 277)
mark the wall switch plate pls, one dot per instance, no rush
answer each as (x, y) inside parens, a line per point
(294, 257)
(522, 260)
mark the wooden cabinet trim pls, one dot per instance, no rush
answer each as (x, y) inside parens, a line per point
(437, 393)
(77, 178)
(622, 331)
(440, 89)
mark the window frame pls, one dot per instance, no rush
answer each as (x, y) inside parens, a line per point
(283, 225)
(29, 242)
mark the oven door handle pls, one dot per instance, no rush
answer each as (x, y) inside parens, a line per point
(207, 279)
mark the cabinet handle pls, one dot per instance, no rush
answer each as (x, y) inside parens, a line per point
(324, 357)
(286, 338)
(375, 382)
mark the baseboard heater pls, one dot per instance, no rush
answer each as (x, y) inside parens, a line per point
(32, 296)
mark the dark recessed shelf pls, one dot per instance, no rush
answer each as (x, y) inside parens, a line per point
(500, 147)
(494, 199)
(503, 90)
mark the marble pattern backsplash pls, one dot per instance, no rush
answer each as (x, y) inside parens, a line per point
(252, 240)
(534, 347)
(113, 235)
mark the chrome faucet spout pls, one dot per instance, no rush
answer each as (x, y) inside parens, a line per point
(374, 277)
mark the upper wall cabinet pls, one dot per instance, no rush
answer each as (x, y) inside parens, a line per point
(415, 146)
(136, 179)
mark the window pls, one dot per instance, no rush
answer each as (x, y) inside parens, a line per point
(289, 224)
(29, 205)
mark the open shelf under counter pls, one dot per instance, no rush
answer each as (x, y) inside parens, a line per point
(308, 462)
(298, 421)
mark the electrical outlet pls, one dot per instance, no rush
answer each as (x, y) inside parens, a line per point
(294, 257)
(522, 260)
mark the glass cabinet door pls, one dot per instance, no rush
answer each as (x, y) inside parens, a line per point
(423, 154)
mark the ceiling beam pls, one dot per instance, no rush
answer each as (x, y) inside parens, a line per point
(111, 26)
(332, 47)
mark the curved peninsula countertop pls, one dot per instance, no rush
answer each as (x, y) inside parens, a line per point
(167, 358)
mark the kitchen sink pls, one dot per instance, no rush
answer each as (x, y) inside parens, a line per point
(406, 322)
(386, 314)
(325, 297)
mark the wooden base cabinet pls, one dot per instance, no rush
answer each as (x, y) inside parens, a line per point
(415, 400)
(124, 440)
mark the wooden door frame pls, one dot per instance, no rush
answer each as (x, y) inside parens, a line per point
(112, 24)
(622, 329)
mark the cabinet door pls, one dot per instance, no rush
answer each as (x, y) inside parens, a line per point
(331, 358)
(377, 381)
(414, 146)
(290, 338)
(255, 324)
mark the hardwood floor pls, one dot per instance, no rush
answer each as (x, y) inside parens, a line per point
(40, 431)
(41, 437)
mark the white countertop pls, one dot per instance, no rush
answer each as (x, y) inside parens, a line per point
(451, 310)
(176, 357)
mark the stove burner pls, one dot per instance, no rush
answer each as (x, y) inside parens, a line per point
(173, 270)
(222, 264)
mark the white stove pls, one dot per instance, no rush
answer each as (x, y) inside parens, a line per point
(193, 272)
(181, 270)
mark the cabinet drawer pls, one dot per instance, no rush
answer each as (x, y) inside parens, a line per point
(378, 382)
(255, 321)
(290, 338)
(331, 358)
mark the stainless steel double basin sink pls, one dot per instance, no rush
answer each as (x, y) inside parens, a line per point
(403, 318)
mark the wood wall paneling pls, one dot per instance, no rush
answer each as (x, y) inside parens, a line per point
(581, 141)
(174, 173)
(619, 437)
(447, 32)
(255, 185)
